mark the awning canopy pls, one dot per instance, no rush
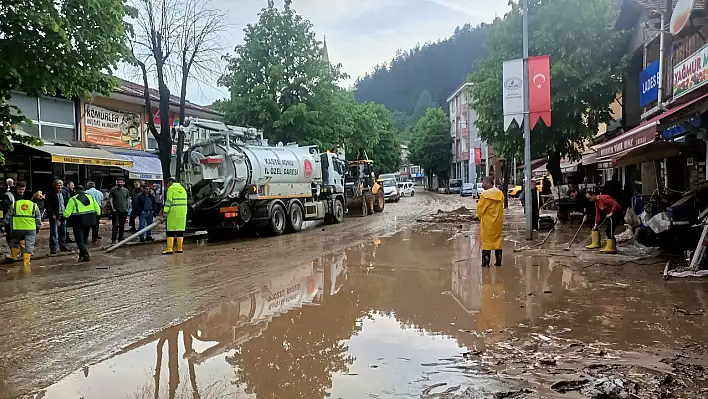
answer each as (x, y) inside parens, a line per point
(641, 135)
(566, 166)
(145, 167)
(589, 158)
(651, 152)
(83, 156)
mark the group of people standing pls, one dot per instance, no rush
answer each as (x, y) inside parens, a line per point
(79, 207)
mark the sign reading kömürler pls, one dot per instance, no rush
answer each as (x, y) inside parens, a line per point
(649, 84)
(112, 128)
(691, 73)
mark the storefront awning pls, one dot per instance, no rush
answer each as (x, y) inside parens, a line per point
(565, 165)
(589, 158)
(641, 135)
(144, 167)
(651, 152)
(83, 156)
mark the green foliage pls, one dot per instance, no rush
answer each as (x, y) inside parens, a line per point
(56, 48)
(437, 67)
(586, 67)
(431, 147)
(280, 84)
(424, 102)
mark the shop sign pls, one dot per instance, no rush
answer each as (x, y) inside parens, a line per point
(691, 73)
(144, 176)
(604, 165)
(174, 118)
(649, 84)
(113, 128)
(679, 129)
(90, 161)
(633, 140)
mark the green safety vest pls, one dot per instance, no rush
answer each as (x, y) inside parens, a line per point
(23, 219)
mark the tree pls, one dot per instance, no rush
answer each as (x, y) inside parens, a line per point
(173, 39)
(54, 48)
(431, 147)
(424, 102)
(438, 67)
(586, 68)
(280, 83)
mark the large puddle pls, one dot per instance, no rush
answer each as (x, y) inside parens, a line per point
(393, 318)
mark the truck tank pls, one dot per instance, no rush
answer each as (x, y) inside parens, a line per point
(219, 170)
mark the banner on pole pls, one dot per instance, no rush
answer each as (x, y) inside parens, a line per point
(540, 90)
(513, 92)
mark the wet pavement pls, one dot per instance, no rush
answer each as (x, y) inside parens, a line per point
(385, 309)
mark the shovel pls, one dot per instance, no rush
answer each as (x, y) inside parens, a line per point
(575, 236)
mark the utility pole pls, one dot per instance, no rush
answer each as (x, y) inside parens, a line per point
(527, 126)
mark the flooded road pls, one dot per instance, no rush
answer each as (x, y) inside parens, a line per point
(413, 315)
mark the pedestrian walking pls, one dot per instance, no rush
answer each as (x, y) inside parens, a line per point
(8, 199)
(176, 211)
(82, 213)
(98, 197)
(67, 193)
(134, 193)
(608, 207)
(145, 204)
(490, 211)
(25, 219)
(119, 202)
(54, 205)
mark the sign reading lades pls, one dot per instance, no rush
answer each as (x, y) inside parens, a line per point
(691, 73)
(649, 84)
(113, 128)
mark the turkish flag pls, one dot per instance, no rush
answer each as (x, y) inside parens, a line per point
(477, 156)
(540, 89)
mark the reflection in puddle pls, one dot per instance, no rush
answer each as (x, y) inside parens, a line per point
(382, 319)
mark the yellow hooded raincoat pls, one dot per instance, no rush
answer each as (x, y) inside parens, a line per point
(490, 210)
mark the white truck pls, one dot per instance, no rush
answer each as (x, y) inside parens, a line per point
(235, 181)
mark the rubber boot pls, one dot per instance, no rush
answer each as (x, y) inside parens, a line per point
(595, 240)
(26, 258)
(14, 254)
(178, 247)
(170, 246)
(486, 257)
(498, 257)
(610, 246)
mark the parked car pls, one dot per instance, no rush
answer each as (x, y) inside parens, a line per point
(390, 187)
(468, 189)
(479, 190)
(406, 188)
(455, 186)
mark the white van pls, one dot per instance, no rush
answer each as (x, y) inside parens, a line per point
(406, 188)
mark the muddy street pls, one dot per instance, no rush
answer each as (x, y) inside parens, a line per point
(392, 306)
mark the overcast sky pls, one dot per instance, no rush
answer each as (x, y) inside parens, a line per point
(361, 33)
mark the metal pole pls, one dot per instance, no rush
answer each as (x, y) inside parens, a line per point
(660, 89)
(137, 233)
(527, 126)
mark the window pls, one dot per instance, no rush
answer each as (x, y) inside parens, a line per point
(52, 118)
(464, 98)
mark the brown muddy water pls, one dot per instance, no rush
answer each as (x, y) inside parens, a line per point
(414, 315)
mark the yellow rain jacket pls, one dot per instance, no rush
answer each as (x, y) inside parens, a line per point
(490, 211)
(176, 208)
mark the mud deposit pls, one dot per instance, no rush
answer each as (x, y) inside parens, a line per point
(413, 315)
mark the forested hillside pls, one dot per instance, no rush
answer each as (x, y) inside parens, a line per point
(425, 74)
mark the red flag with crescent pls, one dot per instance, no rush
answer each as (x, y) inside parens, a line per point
(540, 89)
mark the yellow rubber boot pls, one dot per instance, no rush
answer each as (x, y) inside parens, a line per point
(170, 246)
(14, 254)
(595, 240)
(610, 247)
(26, 258)
(178, 248)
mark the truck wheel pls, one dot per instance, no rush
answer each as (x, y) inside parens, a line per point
(337, 212)
(277, 220)
(379, 202)
(294, 222)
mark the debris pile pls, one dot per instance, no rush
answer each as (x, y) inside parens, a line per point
(459, 215)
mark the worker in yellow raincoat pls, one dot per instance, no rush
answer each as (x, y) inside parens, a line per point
(175, 211)
(490, 211)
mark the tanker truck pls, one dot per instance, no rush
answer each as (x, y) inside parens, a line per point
(233, 182)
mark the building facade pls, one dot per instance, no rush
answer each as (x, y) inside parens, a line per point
(99, 139)
(470, 154)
